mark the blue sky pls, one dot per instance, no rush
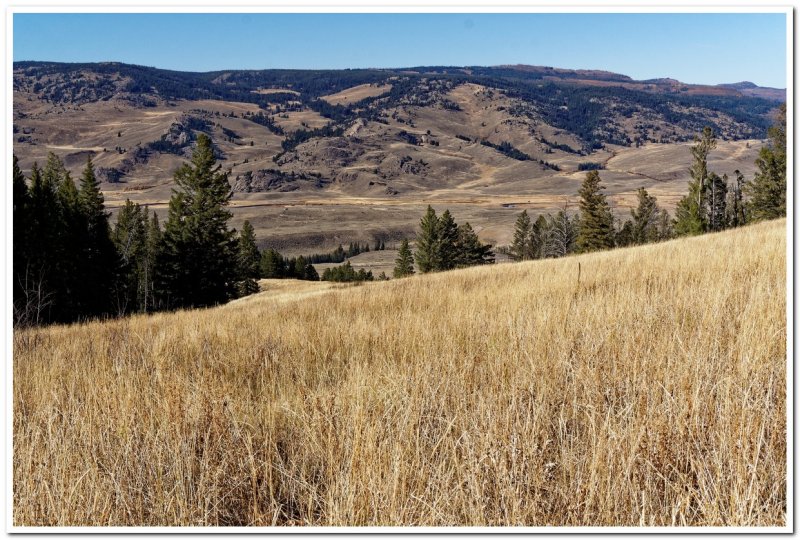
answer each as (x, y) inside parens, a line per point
(694, 48)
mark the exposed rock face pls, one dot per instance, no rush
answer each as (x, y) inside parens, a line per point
(274, 180)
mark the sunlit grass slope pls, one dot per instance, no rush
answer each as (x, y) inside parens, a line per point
(645, 388)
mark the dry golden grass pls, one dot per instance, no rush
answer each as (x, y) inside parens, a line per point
(650, 392)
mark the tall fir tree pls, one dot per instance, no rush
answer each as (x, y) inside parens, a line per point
(447, 256)
(404, 263)
(596, 230)
(644, 218)
(248, 259)
(767, 190)
(427, 252)
(198, 257)
(470, 250)
(522, 232)
(99, 256)
(691, 212)
(22, 303)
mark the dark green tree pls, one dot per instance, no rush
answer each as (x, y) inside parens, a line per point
(404, 264)
(767, 190)
(447, 256)
(625, 235)
(98, 263)
(198, 260)
(522, 232)
(272, 265)
(596, 230)
(691, 212)
(470, 250)
(248, 259)
(427, 253)
(644, 225)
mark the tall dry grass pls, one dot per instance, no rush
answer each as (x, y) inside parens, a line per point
(649, 392)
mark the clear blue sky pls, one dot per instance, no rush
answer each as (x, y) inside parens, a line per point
(694, 48)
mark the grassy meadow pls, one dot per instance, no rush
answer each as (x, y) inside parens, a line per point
(641, 386)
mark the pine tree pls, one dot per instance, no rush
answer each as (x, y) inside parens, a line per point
(471, 251)
(427, 253)
(767, 190)
(448, 239)
(537, 238)
(248, 259)
(596, 229)
(644, 227)
(198, 263)
(130, 239)
(149, 270)
(691, 212)
(98, 265)
(272, 265)
(22, 302)
(625, 235)
(666, 227)
(404, 264)
(521, 241)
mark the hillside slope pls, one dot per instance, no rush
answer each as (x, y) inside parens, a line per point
(643, 386)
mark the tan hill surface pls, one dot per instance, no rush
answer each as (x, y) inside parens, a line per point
(641, 386)
(392, 147)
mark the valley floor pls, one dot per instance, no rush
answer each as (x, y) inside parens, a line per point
(641, 386)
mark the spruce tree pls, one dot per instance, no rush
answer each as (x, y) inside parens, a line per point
(522, 233)
(644, 227)
(248, 259)
(767, 190)
(471, 251)
(272, 265)
(198, 263)
(130, 239)
(99, 256)
(404, 264)
(447, 257)
(625, 235)
(427, 252)
(596, 230)
(691, 213)
(22, 246)
(735, 208)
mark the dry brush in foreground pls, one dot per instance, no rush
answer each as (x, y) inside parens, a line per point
(651, 391)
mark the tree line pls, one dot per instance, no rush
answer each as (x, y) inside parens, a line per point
(70, 265)
(713, 203)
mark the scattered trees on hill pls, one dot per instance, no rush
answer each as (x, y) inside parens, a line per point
(346, 273)
(547, 237)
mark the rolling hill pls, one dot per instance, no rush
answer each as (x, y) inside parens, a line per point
(318, 158)
(642, 386)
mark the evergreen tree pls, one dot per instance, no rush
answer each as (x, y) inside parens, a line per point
(666, 227)
(404, 264)
(644, 227)
(149, 270)
(98, 264)
(198, 259)
(537, 238)
(448, 239)
(272, 265)
(22, 245)
(248, 260)
(470, 250)
(130, 239)
(626, 234)
(596, 229)
(767, 190)
(691, 212)
(522, 232)
(427, 253)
